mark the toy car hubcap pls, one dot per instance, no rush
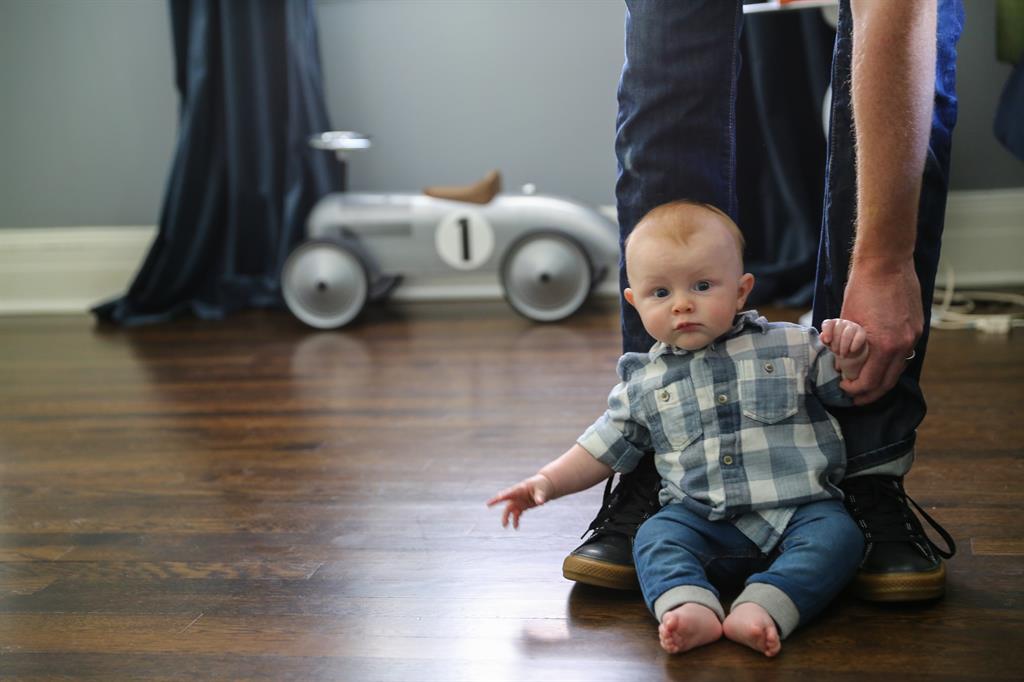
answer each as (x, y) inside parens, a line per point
(324, 284)
(546, 277)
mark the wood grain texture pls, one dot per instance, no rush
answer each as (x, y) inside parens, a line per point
(251, 499)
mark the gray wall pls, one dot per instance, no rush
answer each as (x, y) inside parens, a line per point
(979, 160)
(88, 111)
(448, 88)
(452, 89)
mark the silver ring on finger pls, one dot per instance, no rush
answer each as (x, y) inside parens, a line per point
(913, 354)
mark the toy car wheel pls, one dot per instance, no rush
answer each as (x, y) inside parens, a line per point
(324, 283)
(546, 276)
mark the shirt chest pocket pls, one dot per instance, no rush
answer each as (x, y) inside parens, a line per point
(675, 415)
(769, 388)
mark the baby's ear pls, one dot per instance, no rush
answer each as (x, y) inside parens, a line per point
(628, 294)
(746, 285)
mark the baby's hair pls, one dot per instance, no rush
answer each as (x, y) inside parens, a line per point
(659, 219)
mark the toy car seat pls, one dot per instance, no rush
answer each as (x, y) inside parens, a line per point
(480, 192)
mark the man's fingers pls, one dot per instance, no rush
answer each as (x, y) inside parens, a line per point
(871, 374)
(877, 378)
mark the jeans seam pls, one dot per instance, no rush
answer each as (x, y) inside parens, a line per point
(733, 208)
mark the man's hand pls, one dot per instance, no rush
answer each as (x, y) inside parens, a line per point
(886, 301)
(532, 492)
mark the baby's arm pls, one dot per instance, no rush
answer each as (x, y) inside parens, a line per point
(574, 471)
(849, 342)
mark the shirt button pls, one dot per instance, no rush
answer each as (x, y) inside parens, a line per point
(665, 395)
(727, 460)
(769, 367)
(723, 399)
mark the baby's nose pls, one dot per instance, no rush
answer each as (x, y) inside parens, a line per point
(682, 304)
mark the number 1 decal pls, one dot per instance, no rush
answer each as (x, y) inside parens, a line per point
(464, 239)
(464, 224)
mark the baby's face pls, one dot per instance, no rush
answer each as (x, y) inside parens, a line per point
(687, 294)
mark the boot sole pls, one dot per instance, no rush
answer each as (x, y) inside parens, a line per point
(896, 587)
(600, 573)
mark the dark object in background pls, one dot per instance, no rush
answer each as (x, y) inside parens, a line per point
(1009, 122)
(243, 177)
(781, 150)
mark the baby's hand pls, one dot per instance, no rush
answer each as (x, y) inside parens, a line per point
(532, 492)
(849, 342)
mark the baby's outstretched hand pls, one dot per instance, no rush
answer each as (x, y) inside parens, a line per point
(849, 342)
(532, 492)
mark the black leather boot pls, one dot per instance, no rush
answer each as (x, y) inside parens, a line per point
(900, 562)
(605, 559)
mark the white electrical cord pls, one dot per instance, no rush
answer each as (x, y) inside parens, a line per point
(958, 310)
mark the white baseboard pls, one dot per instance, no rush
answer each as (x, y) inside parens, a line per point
(67, 269)
(70, 269)
(983, 241)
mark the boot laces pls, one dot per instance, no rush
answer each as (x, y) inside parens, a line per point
(879, 505)
(630, 503)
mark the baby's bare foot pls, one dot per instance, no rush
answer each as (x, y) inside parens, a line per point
(688, 627)
(750, 625)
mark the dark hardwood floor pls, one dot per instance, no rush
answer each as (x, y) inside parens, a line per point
(251, 499)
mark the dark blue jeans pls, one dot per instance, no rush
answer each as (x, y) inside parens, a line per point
(676, 138)
(676, 551)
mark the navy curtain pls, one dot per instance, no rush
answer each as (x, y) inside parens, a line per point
(243, 177)
(780, 155)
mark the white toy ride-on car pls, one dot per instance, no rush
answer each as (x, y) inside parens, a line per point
(547, 253)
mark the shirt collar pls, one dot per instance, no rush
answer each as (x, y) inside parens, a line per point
(749, 319)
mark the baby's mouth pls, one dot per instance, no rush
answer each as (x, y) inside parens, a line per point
(686, 326)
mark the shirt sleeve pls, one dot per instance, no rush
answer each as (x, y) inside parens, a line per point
(823, 375)
(617, 438)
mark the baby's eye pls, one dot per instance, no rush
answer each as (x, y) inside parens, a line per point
(703, 285)
(660, 292)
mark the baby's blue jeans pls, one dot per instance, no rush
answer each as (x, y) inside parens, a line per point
(680, 557)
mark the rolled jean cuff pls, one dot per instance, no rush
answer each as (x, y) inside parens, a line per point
(687, 594)
(776, 602)
(895, 467)
(863, 461)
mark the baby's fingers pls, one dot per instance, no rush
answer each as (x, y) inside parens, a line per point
(854, 340)
(516, 512)
(860, 339)
(846, 339)
(508, 512)
(826, 331)
(507, 495)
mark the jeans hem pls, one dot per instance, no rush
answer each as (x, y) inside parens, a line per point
(776, 602)
(873, 458)
(687, 594)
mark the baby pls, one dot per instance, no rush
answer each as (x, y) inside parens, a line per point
(733, 408)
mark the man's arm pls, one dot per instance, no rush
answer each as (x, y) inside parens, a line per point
(893, 85)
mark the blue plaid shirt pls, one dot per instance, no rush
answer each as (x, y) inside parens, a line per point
(738, 428)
